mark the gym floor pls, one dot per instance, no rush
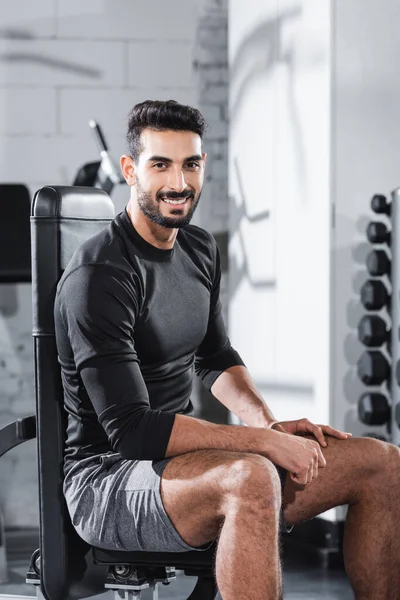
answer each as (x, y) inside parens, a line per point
(302, 579)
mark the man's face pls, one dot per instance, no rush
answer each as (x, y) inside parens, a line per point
(169, 176)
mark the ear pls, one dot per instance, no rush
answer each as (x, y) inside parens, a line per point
(204, 156)
(128, 169)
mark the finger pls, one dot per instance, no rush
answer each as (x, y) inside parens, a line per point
(335, 432)
(315, 430)
(315, 468)
(300, 478)
(318, 433)
(309, 474)
(314, 463)
(321, 457)
(278, 427)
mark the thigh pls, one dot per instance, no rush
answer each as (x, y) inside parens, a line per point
(349, 465)
(194, 488)
(116, 504)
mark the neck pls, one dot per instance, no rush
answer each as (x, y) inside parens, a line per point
(154, 234)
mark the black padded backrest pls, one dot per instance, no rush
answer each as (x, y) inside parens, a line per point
(62, 218)
(15, 252)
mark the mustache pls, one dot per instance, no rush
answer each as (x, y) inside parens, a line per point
(175, 195)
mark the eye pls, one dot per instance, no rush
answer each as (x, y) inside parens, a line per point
(193, 165)
(159, 165)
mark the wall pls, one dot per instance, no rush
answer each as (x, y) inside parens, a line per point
(61, 63)
(280, 218)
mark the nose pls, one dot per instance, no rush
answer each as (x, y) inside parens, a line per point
(176, 179)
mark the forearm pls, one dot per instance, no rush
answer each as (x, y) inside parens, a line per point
(190, 434)
(235, 389)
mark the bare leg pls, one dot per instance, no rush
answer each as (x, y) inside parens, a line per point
(238, 497)
(365, 474)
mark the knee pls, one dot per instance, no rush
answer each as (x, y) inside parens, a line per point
(381, 459)
(390, 461)
(253, 479)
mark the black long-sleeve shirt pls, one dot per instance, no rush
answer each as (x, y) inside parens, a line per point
(133, 323)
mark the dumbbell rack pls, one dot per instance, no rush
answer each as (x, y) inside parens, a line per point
(395, 314)
(379, 365)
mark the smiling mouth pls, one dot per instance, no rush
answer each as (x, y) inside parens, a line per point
(176, 201)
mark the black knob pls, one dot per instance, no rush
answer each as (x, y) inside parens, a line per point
(380, 205)
(373, 368)
(378, 233)
(372, 331)
(373, 409)
(374, 294)
(378, 263)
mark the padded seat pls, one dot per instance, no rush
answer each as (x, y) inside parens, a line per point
(180, 560)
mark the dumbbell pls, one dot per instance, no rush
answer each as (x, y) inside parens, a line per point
(373, 409)
(380, 205)
(374, 294)
(378, 263)
(373, 368)
(372, 331)
(378, 233)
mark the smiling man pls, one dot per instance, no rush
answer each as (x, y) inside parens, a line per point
(137, 313)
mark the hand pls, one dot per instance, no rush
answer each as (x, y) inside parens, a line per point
(300, 456)
(304, 426)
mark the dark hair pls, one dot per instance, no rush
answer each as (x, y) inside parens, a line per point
(161, 116)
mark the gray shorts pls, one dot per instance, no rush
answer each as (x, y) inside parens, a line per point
(116, 504)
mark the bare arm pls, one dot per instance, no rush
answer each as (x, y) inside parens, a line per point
(236, 390)
(300, 456)
(190, 434)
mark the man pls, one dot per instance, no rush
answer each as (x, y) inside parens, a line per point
(137, 311)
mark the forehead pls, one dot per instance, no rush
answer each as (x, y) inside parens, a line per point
(176, 145)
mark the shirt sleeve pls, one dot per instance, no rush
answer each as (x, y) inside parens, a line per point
(215, 354)
(98, 308)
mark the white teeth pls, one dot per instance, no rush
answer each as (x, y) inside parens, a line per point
(174, 201)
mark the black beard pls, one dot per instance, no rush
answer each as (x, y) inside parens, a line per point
(150, 208)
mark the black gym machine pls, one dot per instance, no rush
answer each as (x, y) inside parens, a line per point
(64, 567)
(103, 174)
(15, 201)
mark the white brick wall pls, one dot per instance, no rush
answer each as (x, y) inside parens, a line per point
(128, 19)
(161, 64)
(110, 107)
(27, 19)
(50, 63)
(61, 63)
(19, 112)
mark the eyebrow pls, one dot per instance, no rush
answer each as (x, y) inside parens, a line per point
(156, 158)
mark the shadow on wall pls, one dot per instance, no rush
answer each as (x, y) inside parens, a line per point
(264, 49)
(237, 213)
(60, 65)
(31, 57)
(260, 52)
